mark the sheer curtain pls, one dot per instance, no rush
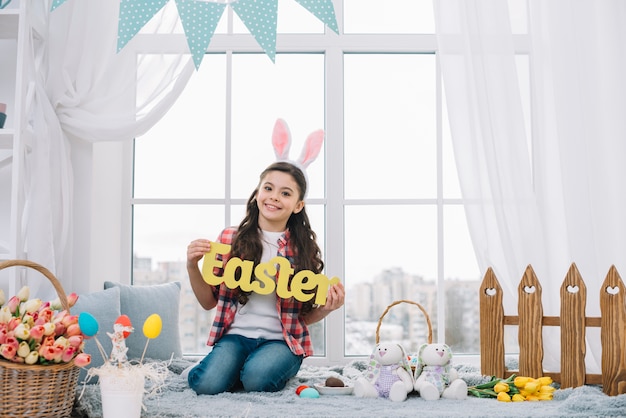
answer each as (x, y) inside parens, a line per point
(83, 92)
(552, 195)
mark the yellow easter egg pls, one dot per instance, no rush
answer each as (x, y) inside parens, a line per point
(152, 326)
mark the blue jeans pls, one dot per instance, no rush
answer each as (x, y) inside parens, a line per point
(256, 364)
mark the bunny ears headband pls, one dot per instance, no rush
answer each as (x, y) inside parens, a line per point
(281, 140)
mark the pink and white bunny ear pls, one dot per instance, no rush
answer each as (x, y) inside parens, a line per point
(312, 148)
(281, 140)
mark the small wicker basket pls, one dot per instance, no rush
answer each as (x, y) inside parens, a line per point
(380, 320)
(37, 390)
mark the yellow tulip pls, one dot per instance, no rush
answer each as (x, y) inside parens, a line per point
(547, 389)
(518, 398)
(504, 397)
(501, 387)
(545, 380)
(531, 387)
(545, 396)
(532, 398)
(520, 381)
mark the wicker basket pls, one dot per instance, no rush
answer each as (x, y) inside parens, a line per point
(37, 390)
(380, 320)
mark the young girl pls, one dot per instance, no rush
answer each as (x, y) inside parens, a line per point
(259, 341)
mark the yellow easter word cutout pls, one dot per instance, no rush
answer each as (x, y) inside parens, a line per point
(265, 273)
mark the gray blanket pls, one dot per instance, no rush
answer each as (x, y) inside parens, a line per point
(176, 399)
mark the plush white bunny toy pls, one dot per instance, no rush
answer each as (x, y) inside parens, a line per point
(434, 375)
(388, 374)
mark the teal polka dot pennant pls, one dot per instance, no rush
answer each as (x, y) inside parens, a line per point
(323, 10)
(134, 14)
(56, 3)
(199, 19)
(259, 16)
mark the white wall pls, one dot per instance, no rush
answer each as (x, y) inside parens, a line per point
(101, 249)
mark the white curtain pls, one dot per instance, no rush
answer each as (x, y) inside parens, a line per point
(83, 92)
(547, 192)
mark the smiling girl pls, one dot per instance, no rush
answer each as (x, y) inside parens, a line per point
(259, 341)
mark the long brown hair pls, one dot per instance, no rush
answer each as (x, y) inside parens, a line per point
(247, 243)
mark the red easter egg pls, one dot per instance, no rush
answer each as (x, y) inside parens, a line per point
(124, 321)
(300, 389)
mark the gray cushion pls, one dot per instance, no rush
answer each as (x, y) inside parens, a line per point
(138, 303)
(104, 305)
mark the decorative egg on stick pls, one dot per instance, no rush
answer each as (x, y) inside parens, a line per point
(151, 329)
(89, 326)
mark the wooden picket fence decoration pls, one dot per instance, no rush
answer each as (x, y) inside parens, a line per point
(573, 322)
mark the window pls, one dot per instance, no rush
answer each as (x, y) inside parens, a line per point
(383, 198)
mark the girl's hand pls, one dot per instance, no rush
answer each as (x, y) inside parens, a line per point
(334, 298)
(196, 250)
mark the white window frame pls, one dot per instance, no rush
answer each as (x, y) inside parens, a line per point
(334, 47)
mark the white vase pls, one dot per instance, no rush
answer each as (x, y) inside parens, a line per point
(122, 394)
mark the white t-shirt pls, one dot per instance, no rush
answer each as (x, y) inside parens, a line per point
(258, 318)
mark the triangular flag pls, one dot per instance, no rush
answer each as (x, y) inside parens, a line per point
(323, 10)
(56, 3)
(259, 16)
(134, 14)
(199, 18)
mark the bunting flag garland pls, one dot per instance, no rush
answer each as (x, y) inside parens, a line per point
(56, 3)
(134, 14)
(199, 21)
(201, 17)
(323, 10)
(260, 16)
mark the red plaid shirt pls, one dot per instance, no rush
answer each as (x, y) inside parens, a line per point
(295, 330)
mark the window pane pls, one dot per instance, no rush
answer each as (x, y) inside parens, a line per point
(385, 264)
(390, 126)
(182, 156)
(161, 234)
(292, 89)
(460, 261)
(462, 281)
(389, 16)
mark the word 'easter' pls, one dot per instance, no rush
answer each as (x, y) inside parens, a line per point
(265, 272)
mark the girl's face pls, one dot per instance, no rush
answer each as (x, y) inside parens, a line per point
(278, 197)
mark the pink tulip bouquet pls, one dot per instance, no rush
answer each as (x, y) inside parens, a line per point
(36, 332)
